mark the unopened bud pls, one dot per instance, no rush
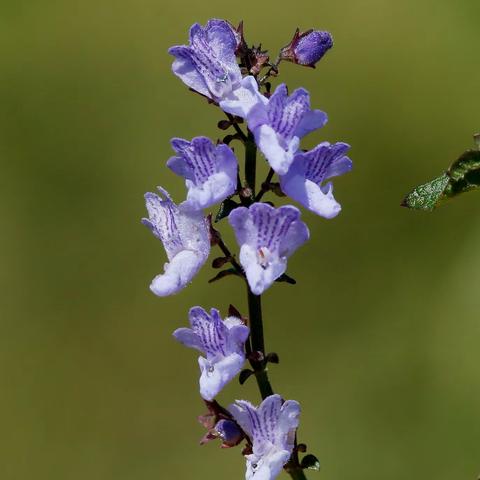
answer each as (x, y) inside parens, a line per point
(307, 48)
(229, 432)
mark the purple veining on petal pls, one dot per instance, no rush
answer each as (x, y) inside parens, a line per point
(304, 180)
(223, 344)
(262, 233)
(279, 124)
(208, 65)
(285, 112)
(210, 171)
(185, 237)
(162, 221)
(271, 427)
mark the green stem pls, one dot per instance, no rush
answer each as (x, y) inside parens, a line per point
(250, 162)
(256, 337)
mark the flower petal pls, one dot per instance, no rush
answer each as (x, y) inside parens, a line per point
(311, 121)
(178, 273)
(216, 375)
(261, 231)
(242, 100)
(184, 67)
(279, 156)
(260, 277)
(267, 467)
(210, 171)
(287, 425)
(187, 337)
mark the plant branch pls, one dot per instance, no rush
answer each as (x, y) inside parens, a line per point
(250, 163)
(236, 127)
(258, 345)
(265, 185)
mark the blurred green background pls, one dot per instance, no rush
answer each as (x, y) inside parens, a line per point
(379, 341)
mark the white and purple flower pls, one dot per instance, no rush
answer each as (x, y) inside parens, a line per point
(271, 428)
(186, 240)
(267, 237)
(222, 343)
(277, 123)
(303, 181)
(208, 65)
(210, 171)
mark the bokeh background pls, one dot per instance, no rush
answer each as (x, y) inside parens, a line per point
(379, 341)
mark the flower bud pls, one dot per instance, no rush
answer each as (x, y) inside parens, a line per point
(229, 432)
(307, 48)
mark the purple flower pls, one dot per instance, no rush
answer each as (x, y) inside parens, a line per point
(210, 171)
(279, 125)
(186, 240)
(303, 181)
(271, 428)
(307, 48)
(208, 65)
(222, 343)
(267, 237)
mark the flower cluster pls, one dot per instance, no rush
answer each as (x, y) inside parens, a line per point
(219, 65)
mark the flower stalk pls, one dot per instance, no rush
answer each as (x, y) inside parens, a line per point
(257, 344)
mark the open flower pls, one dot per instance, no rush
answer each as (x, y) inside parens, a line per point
(267, 237)
(271, 428)
(303, 181)
(222, 343)
(208, 65)
(279, 123)
(210, 171)
(186, 240)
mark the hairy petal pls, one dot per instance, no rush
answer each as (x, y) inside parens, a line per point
(210, 171)
(267, 237)
(271, 428)
(245, 99)
(178, 273)
(223, 344)
(214, 376)
(303, 181)
(185, 238)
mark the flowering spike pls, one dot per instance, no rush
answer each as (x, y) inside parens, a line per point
(267, 237)
(271, 427)
(222, 343)
(185, 237)
(303, 181)
(210, 171)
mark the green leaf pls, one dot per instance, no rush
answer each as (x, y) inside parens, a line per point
(428, 195)
(311, 462)
(462, 176)
(285, 278)
(245, 375)
(222, 274)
